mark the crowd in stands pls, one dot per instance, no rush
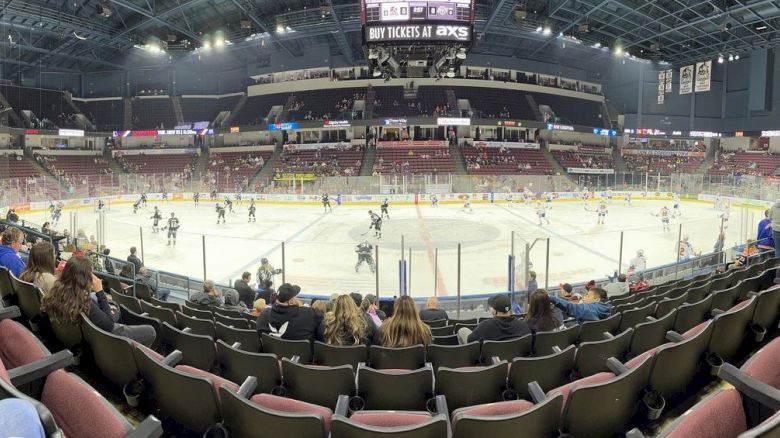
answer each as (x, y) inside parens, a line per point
(345, 159)
(584, 159)
(415, 108)
(662, 164)
(398, 166)
(668, 145)
(49, 162)
(745, 163)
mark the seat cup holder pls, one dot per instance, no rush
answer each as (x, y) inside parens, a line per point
(715, 362)
(509, 394)
(132, 392)
(758, 332)
(654, 403)
(356, 404)
(279, 391)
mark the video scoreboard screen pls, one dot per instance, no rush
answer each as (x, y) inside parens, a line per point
(443, 21)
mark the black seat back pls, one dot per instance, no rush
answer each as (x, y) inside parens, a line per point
(394, 389)
(164, 315)
(335, 355)
(239, 323)
(196, 313)
(545, 341)
(29, 297)
(669, 304)
(113, 354)
(691, 314)
(408, 358)
(767, 308)
(197, 326)
(249, 339)
(453, 356)
(730, 328)
(633, 317)
(131, 318)
(132, 303)
(197, 350)
(6, 288)
(549, 371)
(676, 364)
(507, 350)
(594, 330)
(651, 334)
(316, 384)
(592, 356)
(142, 291)
(236, 365)
(284, 348)
(437, 323)
(725, 299)
(472, 386)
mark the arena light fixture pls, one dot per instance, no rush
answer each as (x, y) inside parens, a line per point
(547, 31)
(618, 50)
(461, 53)
(720, 59)
(731, 57)
(736, 56)
(219, 39)
(451, 73)
(539, 29)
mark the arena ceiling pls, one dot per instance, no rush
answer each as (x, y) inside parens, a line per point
(94, 35)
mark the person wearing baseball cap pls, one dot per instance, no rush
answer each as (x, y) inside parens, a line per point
(501, 327)
(288, 318)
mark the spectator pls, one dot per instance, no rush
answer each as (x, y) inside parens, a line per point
(593, 307)
(245, 292)
(345, 325)
(40, 267)
(618, 287)
(432, 311)
(132, 258)
(499, 328)
(209, 295)
(357, 298)
(404, 328)
(764, 235)
(145, 278)
(288, 318)
(108, 265)
(126, 271)
(374, 303)
(79, 290)
(258, 307)
(542, 316)
(266, 292)
(233, 302)
(638, 263)
(19, 418)
(774, 218)
(319, 307)
(12, 242)
(370, 313)
(12, 216)
(532, 285)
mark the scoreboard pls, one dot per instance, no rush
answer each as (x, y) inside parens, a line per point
(440, 21)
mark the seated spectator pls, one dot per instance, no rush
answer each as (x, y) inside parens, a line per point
(126, 271)
(40, 267)
(266, 292)
(370, 312)
(145, 278)
(374, 305)
(258, 307)
(345, 325)
(288, 318)
(404, 328)
(618, 287)
(108, 265)
(19, 418)
(542, 316)
(79, 290)
(233, 302)
(208, 297)
(132, 258)
(12, 241)
(319, 307)
(592, 308)
(499, 328)
(245, 292)
(432, 311)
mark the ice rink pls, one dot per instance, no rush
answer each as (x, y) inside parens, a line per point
(319, 249)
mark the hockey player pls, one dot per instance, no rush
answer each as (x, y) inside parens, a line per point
(238, 197)
(326, 202)
(676, 206)
(143, 199)
(56, 214)
(364, 251)
(541, 213)
(686, 251)
(724, 215)
(228, 204)
(220, 213)
(196, 197)
(51, 207)
(376, 224)
(509, 199)
(609, 196)
(528, 196)
(584, 195)
(164, 194)
(252, 209)
(434, 201)
(627, 198)
(602, 211)
(466, 203)
(664, 215)
(638, 263)
(718, 202)
(101, 204)
(266, 271)
(384, 212)
(136, 206)
(213, 195)
(156, 218)
(548, 198)
(173, 227)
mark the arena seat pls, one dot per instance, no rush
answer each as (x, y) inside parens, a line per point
(249, 339)
(393, 389)
(594, 330)
(437, 323)
(632, 317)
(275, 416)
(468, 386)
(446, 330)
(131, 303)
(767, 309)
(114, 355)
(163, 314)
(690, 315)
(197, 350)
(143, 291)
(650, 334)
(29, 297)
(376, 424)
(196, 313)
(287, 348)
(236, 322)
(336, 355)
(592, 356)
(550, 371)
(408, 358)
(668, 305)
(317, 384)
(197, 326)
(237, 364)
(506, 350)
(174, 307)
(545, 341)
(495, 419)
(730, 328)
(454, 356)
(725, 299)
(445, 340)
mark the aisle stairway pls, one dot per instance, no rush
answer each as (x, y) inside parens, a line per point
(369, 158)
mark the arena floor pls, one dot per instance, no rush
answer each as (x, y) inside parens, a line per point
(320, 247)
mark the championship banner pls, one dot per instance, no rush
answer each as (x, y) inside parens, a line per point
(686, 79)
(661, 88)
(703, 76)
(668, 82)
(589, 171)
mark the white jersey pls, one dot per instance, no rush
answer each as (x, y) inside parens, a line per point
(639, 263)
(609, 194)
(584, 194)
(602, 209)
(726, 213)
(686, 250)
(664, 214)
(548, 197)
(541, 211)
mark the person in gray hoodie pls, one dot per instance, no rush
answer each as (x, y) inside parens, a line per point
(233, 302)
(592, 308)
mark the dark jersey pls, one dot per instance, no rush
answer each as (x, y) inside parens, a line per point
(173, 224)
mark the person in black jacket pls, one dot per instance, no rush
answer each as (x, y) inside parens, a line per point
(431, 312)
(209, 296)
(132, 258)
(499, 328)
(245, 293)
(79, 290)
(288, 318)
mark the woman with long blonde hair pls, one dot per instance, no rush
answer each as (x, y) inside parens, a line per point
(404, 328)
(345, 324)
(79, 290)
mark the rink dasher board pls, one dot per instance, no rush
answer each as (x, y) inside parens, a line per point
(374, 200)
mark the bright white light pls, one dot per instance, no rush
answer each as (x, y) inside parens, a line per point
(762, 27)
(279, 28)
(560, 34)
(547, 31)
(731, 57)
(618, 50)
(720, 59)
(538, 29)
(597, 45)
(219, 42)
(206, 45)
(736, 56)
